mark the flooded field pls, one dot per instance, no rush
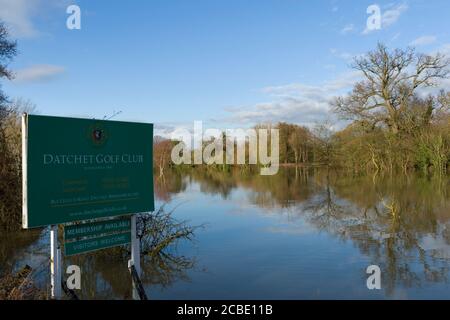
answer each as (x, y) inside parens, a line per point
(297, 235)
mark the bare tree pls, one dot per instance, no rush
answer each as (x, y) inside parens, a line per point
(161, 153)
(9, 175)
(444, 102)
(7, 52)
(391, 80)
(323, 142)
(298, 142)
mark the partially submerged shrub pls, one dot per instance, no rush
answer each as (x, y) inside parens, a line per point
(159, 230)
(20, 286)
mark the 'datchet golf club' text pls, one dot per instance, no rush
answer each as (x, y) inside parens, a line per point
(87, 159)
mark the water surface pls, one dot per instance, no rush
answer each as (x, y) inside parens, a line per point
(302, 234)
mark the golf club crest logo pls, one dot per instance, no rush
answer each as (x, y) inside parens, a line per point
(97, 134)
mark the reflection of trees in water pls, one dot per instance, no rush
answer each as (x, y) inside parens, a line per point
(282, 190)
(214, 181)
(287, 187)
(105, 274)
(13, 245)
(167, 185)
(24, 252)
(165, 268)
(159, 235)
(388, 220)
(401, 223)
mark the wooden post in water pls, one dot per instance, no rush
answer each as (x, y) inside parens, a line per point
(55, 263)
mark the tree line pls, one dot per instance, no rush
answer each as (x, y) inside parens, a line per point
(397, 120)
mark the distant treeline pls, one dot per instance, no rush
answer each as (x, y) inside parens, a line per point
(398, 120)
(357, 148)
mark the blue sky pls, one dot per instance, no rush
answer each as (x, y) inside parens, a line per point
(227, 63)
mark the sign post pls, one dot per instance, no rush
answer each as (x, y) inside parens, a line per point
(74, 170)
(135, 260)
(55, 263)
(135, 246)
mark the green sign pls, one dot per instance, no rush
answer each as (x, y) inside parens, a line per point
(81, 169)
(96, 228)
(88, 245)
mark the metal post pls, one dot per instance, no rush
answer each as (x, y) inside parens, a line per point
(135, 247)
(58, 273)
(24, 171)
(55, 263)
(135, 260)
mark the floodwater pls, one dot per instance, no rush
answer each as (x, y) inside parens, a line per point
(302, 234)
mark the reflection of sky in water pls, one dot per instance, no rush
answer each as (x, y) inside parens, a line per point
(437, 246)
(250, 252)
(261, 241)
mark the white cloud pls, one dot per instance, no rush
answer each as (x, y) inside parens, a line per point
(445, 49)
(348, 28)
(183, 131)
(163, 130)
(344, 55)
(423, 41)
(341, 82)
(37, 73)
(442, 84)
(298, 103)
(19, 14)
(389, 16)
